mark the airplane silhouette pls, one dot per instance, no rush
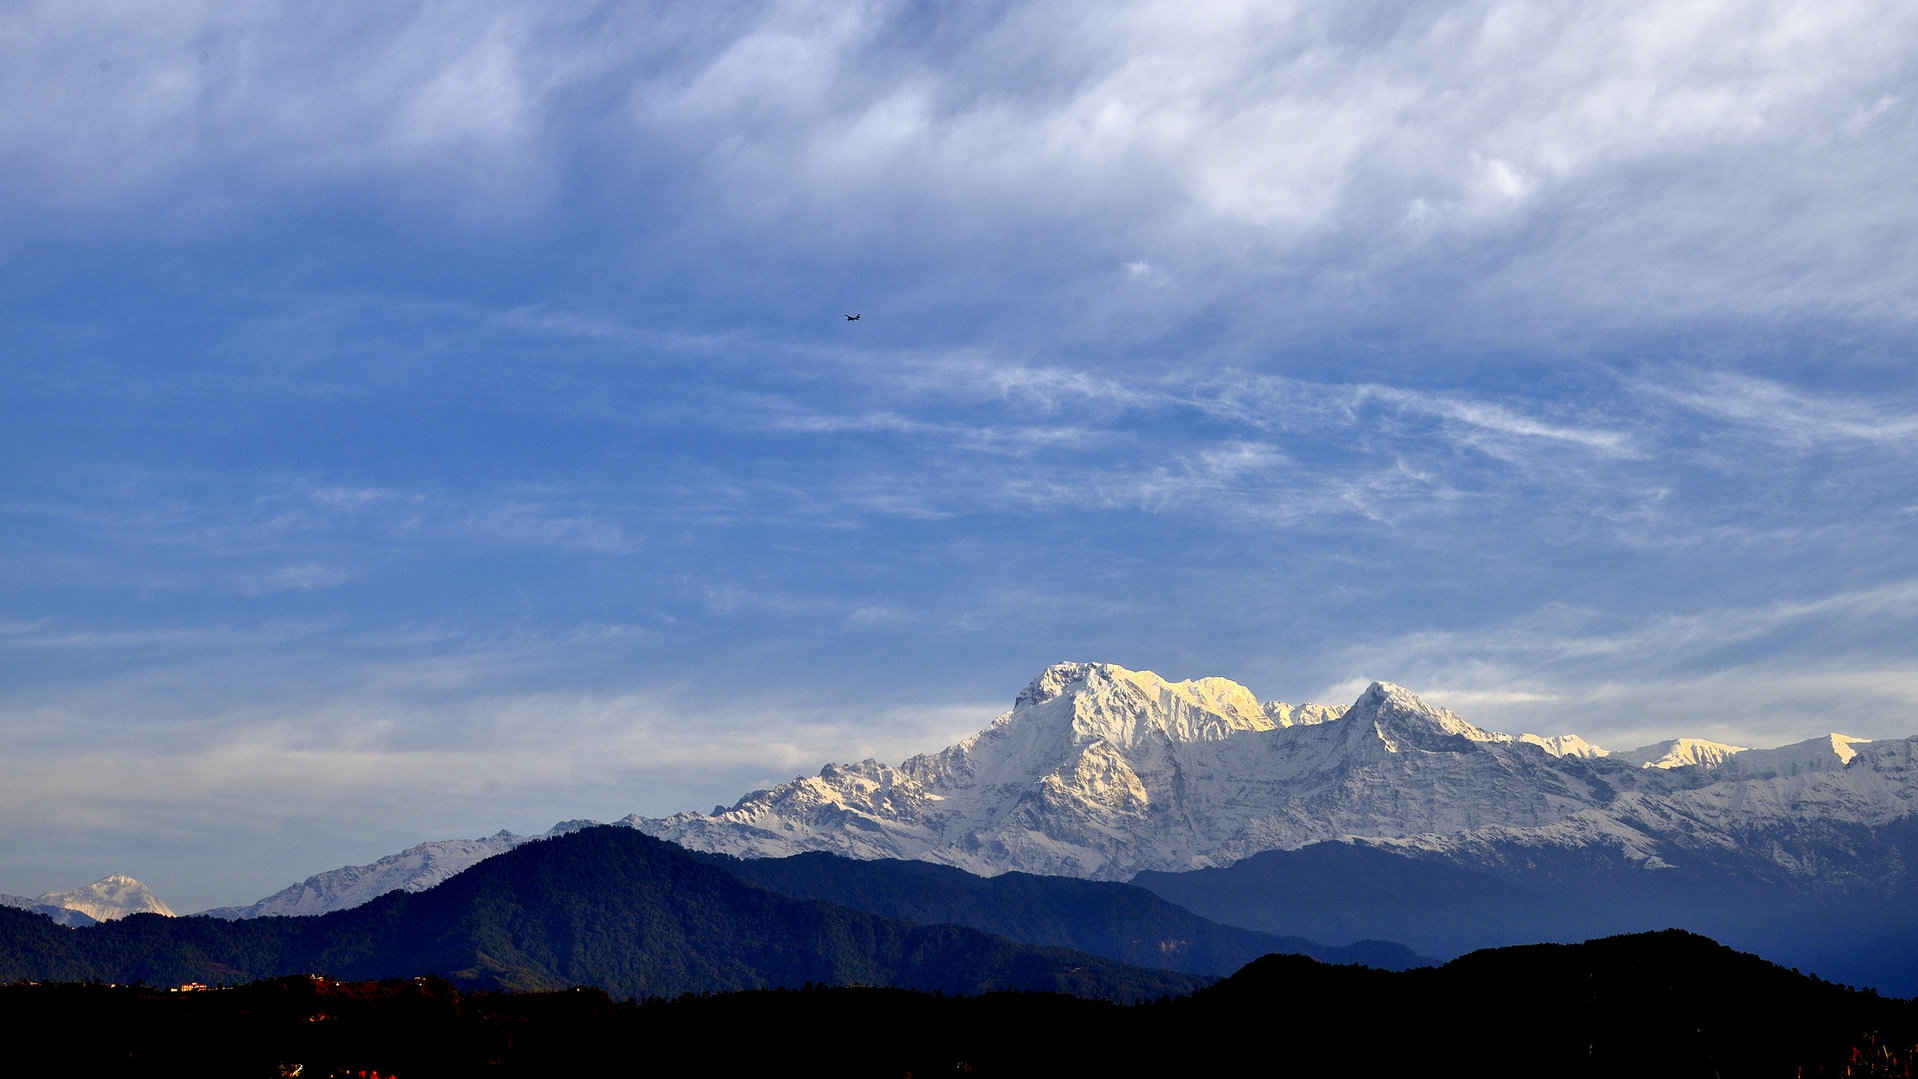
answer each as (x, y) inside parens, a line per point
(853, 318)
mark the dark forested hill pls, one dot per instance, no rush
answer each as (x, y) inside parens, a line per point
(1118, 921)
(1662, 1004)
(1667, 1003)
(607, 907)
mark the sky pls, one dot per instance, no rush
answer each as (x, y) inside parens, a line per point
(421, 419)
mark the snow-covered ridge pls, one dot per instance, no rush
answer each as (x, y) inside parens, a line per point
(1822, 754)
(60, 915)
(1777, 806)
(414, 869)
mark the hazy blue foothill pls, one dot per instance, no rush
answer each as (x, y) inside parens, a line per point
(604, 906)
(1857, 925)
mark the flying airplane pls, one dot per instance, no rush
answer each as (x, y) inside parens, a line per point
(853, 318)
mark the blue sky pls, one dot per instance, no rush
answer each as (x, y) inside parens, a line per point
(425, 419)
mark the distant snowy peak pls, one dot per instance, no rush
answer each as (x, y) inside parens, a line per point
(110, 897)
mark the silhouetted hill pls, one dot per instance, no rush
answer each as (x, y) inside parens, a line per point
(1668, 1003)
(606, 907)
(1662, 1004)
(1118, 921)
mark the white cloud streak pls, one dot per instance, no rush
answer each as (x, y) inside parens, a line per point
(1786, 415)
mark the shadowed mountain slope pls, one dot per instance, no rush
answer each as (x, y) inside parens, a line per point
(1118, 921)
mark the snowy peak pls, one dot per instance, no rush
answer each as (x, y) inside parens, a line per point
(1055, 681)
(1565, 745)
(110, 897)
(1096, 702)
(1680, 753)
(1394, 717)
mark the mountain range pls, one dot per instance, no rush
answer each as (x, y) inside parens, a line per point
(1387, 819)
(1104, 773)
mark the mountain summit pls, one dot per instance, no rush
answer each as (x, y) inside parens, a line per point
(1398, 720)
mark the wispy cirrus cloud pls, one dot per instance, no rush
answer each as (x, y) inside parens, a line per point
(1754, 675)
(1788, 415)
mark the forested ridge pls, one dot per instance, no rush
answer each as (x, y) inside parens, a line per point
(607, 907)
(1660, 1004)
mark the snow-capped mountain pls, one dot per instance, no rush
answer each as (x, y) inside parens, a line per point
(414, 869)
(110, 897)
(1102, 772)
(1099, 771)
(1565, 745)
